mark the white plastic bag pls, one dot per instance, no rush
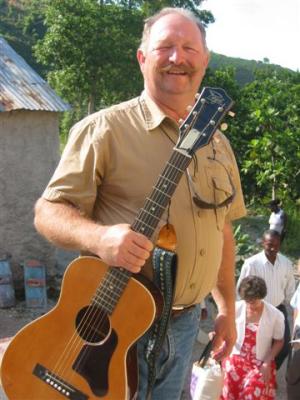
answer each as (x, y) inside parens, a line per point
(206, 382)
(207, 377)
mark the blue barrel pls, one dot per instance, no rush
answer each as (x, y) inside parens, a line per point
(7, 292)
(35, 284)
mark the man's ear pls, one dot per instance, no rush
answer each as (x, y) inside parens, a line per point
(207, 59)
(141, 58)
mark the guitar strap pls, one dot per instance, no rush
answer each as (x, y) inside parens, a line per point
(164, 262)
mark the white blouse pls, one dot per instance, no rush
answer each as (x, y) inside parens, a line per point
(271, 326)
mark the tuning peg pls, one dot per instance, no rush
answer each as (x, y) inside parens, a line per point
(180, 121)
(231, 114)
(189, 108)
(197, 95)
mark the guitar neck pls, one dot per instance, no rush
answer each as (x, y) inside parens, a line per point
(149, 216)
(195, 132)
(112, 286)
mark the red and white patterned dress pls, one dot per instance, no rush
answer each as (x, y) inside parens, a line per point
(243, 380)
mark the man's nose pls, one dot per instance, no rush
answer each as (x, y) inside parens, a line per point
(176, 55)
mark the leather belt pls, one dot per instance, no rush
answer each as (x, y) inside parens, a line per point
(176, 311)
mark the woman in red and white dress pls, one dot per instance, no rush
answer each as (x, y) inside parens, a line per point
(250, 368)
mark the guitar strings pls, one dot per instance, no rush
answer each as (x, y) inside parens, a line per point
(89, 315)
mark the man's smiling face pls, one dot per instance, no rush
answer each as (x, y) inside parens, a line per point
(175, 58)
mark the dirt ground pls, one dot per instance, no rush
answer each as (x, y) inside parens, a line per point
(13, 319)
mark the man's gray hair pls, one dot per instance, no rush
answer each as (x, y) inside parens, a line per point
(149, 22)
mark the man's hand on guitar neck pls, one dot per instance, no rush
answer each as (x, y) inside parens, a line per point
(122, 247)
(116, 245)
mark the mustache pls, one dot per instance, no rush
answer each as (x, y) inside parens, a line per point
(179, 68)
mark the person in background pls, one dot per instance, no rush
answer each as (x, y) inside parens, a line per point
(277, 271)
(110, 164)
(278, 218)
(293, 368)
(250, 369)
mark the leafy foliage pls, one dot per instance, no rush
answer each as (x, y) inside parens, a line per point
(13, 16)
(272, 132)
(244, 247)
(91, 48)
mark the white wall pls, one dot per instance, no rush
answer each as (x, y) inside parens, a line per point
(29, 153)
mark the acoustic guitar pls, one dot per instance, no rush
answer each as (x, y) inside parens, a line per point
(84, 348)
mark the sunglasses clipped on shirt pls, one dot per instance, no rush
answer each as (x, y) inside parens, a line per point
(199, 202)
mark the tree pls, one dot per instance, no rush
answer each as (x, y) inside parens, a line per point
(90, 50)
(272, 132)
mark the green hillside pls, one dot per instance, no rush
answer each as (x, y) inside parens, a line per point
(20, 31)
(244, 69)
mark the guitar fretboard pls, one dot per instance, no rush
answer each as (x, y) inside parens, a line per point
(146, 221)
(195, 132)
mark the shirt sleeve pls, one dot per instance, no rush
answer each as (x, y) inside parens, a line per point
(237, 209)
(72, 180)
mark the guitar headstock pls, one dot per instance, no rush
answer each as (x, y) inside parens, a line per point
(204, 118)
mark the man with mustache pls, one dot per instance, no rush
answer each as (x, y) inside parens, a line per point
(111, 162)
(277, 271)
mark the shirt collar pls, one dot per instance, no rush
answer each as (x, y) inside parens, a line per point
(265, 260)
(154, 116)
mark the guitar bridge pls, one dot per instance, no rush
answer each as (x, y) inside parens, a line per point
(58, 384)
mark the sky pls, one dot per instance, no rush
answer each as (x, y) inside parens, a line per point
(256, 29)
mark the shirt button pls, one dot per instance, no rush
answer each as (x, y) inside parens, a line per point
(192, 286)
(202, 252)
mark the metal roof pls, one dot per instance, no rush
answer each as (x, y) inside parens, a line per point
(21, 87)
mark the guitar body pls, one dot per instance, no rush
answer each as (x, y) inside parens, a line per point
(49, 359)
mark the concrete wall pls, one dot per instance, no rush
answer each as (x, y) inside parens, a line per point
(29, 152)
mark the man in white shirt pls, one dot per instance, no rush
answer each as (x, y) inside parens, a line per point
(277, 271)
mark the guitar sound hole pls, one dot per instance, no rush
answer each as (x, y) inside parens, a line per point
(92, 324)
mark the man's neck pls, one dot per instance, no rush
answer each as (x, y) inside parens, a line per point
(270, 258)
(175, 107)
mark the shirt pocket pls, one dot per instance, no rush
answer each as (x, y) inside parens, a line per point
(222, 189)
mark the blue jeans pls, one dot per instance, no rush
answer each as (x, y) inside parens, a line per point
(174, 359)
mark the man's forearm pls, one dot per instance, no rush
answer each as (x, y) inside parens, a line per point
(117, 245)
(224, 291)
(63, 225)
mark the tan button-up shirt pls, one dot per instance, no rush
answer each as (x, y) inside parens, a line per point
(113, 159)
